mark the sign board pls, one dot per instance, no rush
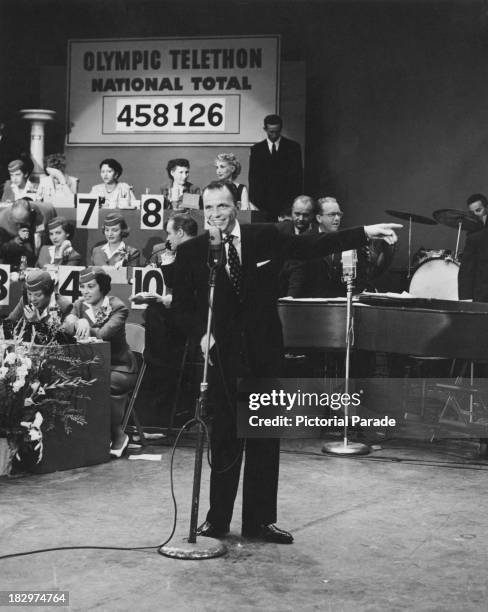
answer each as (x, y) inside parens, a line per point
(170, 91)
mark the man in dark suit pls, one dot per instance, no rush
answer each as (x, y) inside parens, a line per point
(246, 339)
(477, 204)
(473, 273)
(275, 170)
(302, 216)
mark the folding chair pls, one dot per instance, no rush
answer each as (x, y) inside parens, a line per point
(135, 335)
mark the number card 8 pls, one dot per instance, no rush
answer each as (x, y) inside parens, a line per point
(152, 207)
(4, 284)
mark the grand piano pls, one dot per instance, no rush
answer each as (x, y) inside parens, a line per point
(407, 326)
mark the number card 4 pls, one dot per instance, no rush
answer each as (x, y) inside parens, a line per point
(152, 212)
(69, 282)
(87, 209)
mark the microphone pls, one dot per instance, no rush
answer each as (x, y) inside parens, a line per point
(216, 251)
(349, 262)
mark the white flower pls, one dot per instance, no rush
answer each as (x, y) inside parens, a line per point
(28, 362)
(22, 371)
(18, 384)
(10, 359)
(3, 371)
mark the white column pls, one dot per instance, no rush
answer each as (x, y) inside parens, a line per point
(37, 117)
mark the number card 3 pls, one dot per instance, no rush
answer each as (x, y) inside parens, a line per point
(152, 212)
(4, 284)
(87, 209)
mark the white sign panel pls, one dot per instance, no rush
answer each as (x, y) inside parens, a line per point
(167, 91)
(4, 284)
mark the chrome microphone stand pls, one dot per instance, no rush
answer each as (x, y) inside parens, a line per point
(189, 548)
(346, 447)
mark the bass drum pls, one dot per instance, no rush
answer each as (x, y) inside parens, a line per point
(436, 277)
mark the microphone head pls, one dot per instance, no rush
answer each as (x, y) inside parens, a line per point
(215, 236)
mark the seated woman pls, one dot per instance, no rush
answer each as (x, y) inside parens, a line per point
(61, 253)
(178, 171)
(43, 310)
(19, 186)
(113, 193)
(56, 183)
(115, 252)
(103, 316)
(228, 168)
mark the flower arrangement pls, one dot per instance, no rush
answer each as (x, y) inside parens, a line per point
(38, 388)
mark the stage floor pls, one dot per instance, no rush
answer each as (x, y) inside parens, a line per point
(404, 528)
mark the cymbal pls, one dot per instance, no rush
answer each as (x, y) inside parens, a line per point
(453, 218)
(411, 216)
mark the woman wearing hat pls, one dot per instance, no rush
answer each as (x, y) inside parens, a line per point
(98, 314)
(61, 253)
(42, 309)
(19, 185)
(115, 252)
(113, 193)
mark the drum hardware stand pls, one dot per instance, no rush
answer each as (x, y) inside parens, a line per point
(189, 548)
(346, 448)
(409, 273)
(457, 240)
(461, 417)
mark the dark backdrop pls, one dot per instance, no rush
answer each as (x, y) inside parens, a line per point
(397, 92)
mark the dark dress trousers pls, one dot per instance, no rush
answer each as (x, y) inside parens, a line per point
(249, 341)
(275, 180)
(473, 273)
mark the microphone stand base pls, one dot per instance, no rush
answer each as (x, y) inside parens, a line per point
(194, 551)
(341, 448)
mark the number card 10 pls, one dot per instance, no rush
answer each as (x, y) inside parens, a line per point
(147, 284)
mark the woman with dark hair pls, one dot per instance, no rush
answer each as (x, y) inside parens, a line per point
(113, 193)
(178, 171)
(61, 253)
(19, 186)
(100, 315)
(56, 183)
(43, 310)
(115, 252)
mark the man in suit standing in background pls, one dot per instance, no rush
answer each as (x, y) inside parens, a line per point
(275, 170)
(246, 340)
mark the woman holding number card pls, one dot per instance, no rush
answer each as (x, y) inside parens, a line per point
(174, 192)
(115, 252)
(61, 253)
(100, 315)
(113, 194)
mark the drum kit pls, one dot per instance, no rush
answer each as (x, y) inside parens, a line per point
(436, 271)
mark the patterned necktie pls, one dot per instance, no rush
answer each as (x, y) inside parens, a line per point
(235, 269)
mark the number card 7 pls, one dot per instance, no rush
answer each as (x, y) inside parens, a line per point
(152, 207)
(87, 209)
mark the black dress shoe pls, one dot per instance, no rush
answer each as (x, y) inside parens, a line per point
(211, 531)
(268, 533)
